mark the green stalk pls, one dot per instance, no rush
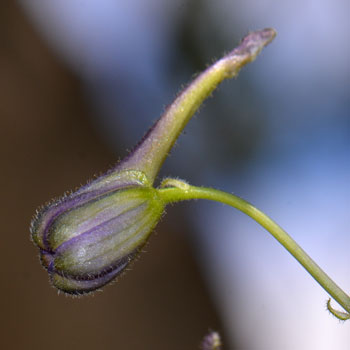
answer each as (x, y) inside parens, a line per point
(175, 190)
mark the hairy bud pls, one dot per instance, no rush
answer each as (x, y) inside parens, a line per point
(87, 238)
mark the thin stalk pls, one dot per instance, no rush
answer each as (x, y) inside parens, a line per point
(183, 191)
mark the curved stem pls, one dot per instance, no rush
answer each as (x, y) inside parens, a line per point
(181, 191)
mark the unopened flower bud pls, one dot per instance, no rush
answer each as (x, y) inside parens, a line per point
(87, 238)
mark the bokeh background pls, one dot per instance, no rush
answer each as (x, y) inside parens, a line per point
(81, 81)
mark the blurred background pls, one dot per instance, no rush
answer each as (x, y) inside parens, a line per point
(81, 82)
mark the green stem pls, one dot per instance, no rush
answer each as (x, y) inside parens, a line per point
(181, 191)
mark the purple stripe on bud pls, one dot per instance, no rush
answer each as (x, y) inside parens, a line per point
(77, 286)
(111, 181)
(89, 237)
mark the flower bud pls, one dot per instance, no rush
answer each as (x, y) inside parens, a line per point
(87, 238)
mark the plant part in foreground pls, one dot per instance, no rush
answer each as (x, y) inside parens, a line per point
(211, 341)
(87, 238)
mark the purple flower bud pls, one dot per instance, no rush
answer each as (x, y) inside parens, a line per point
(87, 238)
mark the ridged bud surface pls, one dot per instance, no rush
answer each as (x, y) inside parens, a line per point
(87, 238)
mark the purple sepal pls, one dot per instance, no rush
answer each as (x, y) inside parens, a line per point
(78, 286)
(111, 181)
